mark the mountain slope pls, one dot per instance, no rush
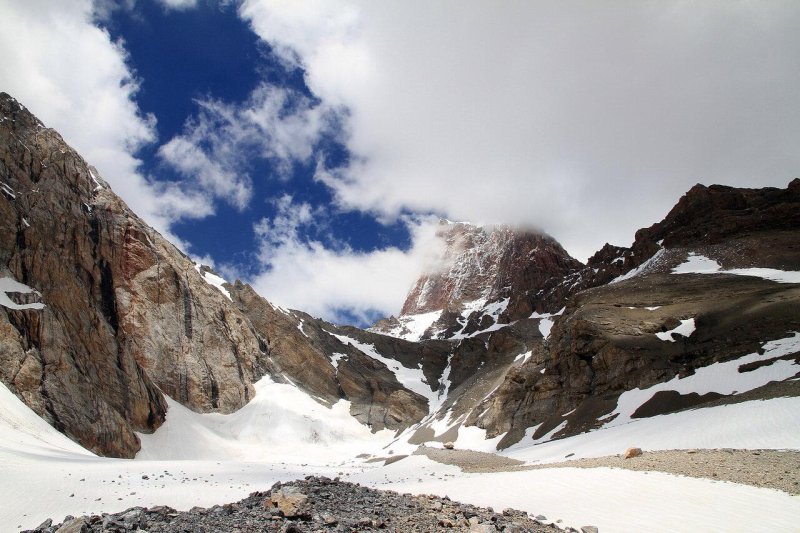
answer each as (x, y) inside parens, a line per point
(101, 317)
(696, 289)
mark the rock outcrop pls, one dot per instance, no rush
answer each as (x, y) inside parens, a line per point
(486, 276)
(607, 342)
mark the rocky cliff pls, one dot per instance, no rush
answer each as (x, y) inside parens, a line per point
(486, 276)
(100, 316)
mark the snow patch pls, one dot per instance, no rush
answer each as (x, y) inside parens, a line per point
(545, 325)
(721, 378)
(8, 190)
(335, 358)
(213, 280)
(523, 357)
(11, 285)
(686, 328)
(698, 264)
(98, 185)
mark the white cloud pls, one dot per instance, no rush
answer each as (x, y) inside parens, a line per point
(71, 75)
(178, 4)
(218, 146)
(586, 119)
(304, 274)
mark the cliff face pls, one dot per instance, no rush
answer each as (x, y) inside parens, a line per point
(486, 277)
(126, 316)
(110, 316)
(487, 264)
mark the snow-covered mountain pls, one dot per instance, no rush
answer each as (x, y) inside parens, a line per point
(487, 277)
(112, 342)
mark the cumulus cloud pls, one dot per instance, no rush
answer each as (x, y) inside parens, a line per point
(218, 146)
(337, 283)
(585, 119)
(178, 4)
(70, 74)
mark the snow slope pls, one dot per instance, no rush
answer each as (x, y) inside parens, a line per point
(282, 423)
(411, 378)
(46, 475)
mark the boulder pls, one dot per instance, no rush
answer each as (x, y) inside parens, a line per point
(291, 502)
(631, 453)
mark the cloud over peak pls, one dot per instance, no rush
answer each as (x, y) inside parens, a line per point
(586, 119)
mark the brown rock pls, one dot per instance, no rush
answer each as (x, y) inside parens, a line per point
(630, 453)
(291, 502)
(492, 263)
(449, 445)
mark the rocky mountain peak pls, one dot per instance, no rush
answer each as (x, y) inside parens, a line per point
(488, 263)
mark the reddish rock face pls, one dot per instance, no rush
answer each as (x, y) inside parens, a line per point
(490, 264)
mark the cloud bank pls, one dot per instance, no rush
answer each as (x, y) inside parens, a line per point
(585, 119)
(337, 283)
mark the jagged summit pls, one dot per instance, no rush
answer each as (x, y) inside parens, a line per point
(485, 277)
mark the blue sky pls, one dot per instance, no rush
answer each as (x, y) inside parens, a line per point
(209, 53)
(309, 147)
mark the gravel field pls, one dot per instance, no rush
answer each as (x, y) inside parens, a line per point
(773, 469)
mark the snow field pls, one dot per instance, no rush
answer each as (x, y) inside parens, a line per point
(699, 264)
(613, 500)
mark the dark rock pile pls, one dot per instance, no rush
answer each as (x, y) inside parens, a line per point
(314, 504)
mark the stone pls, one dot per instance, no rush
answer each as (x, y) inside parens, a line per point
(589, 529)
(291, 502)
(75, 525)
(631, 453)
(449, 445)
(482, 528)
